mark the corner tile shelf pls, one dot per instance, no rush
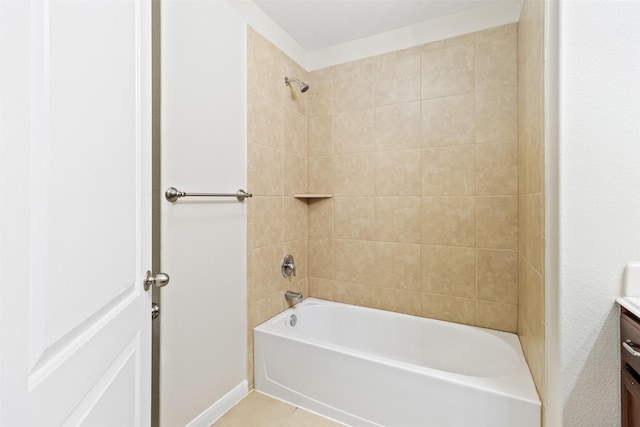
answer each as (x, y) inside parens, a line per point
(312, 196)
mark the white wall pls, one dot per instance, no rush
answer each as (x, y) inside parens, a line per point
(203, 313)
(464, 22)
(599, 198)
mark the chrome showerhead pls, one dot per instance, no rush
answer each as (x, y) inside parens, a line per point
(303, 86)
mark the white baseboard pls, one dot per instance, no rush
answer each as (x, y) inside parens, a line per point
(218, 409)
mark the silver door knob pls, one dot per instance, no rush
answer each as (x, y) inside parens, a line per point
(159, 280)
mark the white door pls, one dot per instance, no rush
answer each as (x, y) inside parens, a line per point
(75, 213)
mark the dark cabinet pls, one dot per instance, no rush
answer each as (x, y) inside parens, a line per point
(630, 368)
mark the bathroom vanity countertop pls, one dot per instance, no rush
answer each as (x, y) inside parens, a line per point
(631, 288)
(630, 303)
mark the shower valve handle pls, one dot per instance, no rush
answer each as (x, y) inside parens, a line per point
(288, 266)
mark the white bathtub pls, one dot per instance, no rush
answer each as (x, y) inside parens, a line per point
(366, 367)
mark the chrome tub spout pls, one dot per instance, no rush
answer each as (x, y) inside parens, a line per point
(293, 298)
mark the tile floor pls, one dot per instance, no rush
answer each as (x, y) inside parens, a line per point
(258, 410)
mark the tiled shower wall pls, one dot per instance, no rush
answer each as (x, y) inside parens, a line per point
(531, 319)
(419, 149)
(277, 169)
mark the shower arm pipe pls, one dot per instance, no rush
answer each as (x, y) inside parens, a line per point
(173, 194)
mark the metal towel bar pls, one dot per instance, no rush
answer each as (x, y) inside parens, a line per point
(172, 194)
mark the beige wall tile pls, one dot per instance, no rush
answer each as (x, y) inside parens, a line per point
(353, 131)
(298, 249)
(295, 132)
(267, 125)
(268, 166)
(321, 174)
(295, 174)
(451, 309)
(449, 221)
(321, 213)
(533, 88)
(536, 361)
(296, 219)
(320, 96)
(536, 299)
(448, 171)
(535, 231)
(397, 80)
(265, 308)
(523, 209)
(397, 173)
(321, 74)
(266, 271)
(523, 142)
(320, 135)
(497, 62)
(321, 258)
(321, 288)
(497, 116)
(531, 184)
(397, 265)
(301, 286)
(397, 219)
(268, 221)
(398, 126)
(354, 218)
(496, 169)
(249, 251)
(353, 88)
(494, 315)
(269, 70)
(497, 222)
(470, 37)
(449, 270)
(525, 301)
(354, 261)
(449, 70)
(498, 276)
(354, 293)
(534, 157)
(250, 350)
(398, 300)
(449, 121)
(354, 174)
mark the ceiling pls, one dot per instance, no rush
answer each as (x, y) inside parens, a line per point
(317, 24)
